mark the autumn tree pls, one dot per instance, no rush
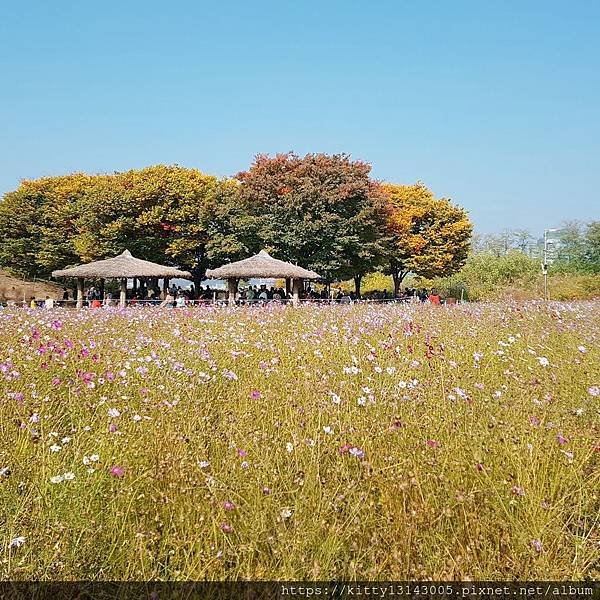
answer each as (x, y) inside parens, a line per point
(319, 211)
(165, 214)
(424, 235)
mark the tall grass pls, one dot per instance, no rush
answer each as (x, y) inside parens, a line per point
(363, 442)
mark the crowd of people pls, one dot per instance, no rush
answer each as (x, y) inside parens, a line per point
(177, 297)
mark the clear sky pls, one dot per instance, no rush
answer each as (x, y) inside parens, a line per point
(494, 104)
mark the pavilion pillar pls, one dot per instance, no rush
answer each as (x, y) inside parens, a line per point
(296, 291)
(165, 286)
(288, 287)
(79, 303)
(123, 295)
(232, 284)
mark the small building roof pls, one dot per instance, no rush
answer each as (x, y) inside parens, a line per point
(123, 266)
(261, 265)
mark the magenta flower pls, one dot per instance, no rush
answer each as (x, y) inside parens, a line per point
(561, 439)
(226, 528)
(112, 428)
(433, 444)
(241, 452)
(255, 394)
(55, 381)
(266, 491)
(343, 449)
(479, 467)
(117, 471)
(228, 505)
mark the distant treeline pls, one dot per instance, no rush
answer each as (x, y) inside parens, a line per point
(323, 212)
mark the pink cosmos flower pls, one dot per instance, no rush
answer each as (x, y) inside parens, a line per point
(226, 528)
(433, 444)
(537, 544)
(255, 394)
(561, 439)
(241, 452)
(117, 471)
(343, 449)
(228, 505)
(517, 491)
(535, 421)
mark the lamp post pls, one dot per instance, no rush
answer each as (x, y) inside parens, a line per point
(545, 261)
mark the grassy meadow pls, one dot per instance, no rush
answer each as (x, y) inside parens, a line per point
(360, 442)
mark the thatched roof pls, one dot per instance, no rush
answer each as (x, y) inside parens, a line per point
(122, 266)
(261, 265)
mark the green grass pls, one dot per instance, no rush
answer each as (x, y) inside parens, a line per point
(251, 391)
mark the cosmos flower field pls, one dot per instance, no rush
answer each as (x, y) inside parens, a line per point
(357, 442)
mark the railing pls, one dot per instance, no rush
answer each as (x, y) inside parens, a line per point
(146, 303)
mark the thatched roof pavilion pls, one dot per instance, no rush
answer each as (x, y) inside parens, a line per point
(261, 265)
(123, 267)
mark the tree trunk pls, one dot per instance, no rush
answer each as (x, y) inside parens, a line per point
(398, 276)
(197, 283)
(357, 282)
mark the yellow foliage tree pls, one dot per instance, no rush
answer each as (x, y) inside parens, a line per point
(426, 236)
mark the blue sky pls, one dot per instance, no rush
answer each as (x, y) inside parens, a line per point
(493, 104)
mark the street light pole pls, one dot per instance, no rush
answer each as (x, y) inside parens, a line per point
(545, 263)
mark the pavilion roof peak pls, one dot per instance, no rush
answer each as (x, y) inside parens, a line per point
(261, 265)
(125, 265)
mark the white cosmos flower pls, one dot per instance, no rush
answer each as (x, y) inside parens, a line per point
(17, 542)
(57, 479)
(55, 448)
(69, 476)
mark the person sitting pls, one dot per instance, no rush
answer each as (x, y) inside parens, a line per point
(32, 302)
(49, 302)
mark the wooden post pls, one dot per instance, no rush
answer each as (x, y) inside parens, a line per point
(123, 295)
(296, 292)
(232, 289)
(165, 287)
(288, 287)
(79, 303)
